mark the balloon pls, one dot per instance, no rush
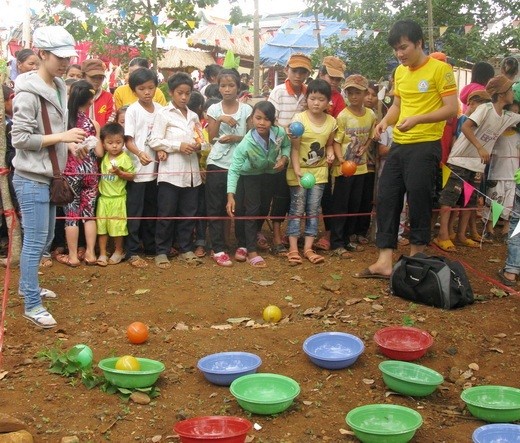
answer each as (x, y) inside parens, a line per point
(137, 332)
(272, 314)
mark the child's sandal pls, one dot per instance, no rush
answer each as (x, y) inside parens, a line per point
(314, 258)
(294, 258)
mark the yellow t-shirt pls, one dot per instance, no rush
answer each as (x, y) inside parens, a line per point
(313, 156)
(353, 132)
(124, 96)
(421, 91)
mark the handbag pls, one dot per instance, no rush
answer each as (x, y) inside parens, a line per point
(431, 280)
(61, 193)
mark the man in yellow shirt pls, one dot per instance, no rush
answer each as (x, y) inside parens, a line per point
(124, 96)
(425, 97)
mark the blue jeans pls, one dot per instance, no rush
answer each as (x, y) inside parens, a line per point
(38, 219)
(513, 243)
(305, 201)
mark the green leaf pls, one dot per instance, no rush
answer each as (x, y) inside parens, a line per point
(335, 276)
(373, 297)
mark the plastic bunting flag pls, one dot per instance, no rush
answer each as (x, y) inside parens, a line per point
(230, 61)
(468, 191)
(446, 172)
(496, 210)
(517, 230)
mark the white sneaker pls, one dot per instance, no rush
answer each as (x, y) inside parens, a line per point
(40, 317)
(44, 293)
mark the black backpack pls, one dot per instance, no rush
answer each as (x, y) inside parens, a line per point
(431, 280)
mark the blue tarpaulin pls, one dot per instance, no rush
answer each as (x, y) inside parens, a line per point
(300, 35)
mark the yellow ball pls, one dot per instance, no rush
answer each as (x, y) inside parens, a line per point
(272, 314)
(128, 363)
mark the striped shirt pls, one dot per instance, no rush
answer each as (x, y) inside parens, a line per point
(287, 103)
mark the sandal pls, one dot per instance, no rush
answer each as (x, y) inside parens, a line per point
(222, 259)
(445, 245)
(257, 262)
(353, 247)
(101, 261)
(341, 253)
(162, 262)
(314, 258)
(279, 250)
(64, 259)
(468, 243)
(137, 262)
(46, 262)
(40, 317)
(241, 255)
(81, 253)
(322, 244)
(362, 240)
(294, 258)
(504, 280)
(189, 258)
(261, 242)
(115, 259)
(200, 251)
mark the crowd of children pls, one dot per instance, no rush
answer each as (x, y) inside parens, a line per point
(143, 170)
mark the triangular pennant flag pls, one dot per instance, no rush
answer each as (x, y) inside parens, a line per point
(155, 19)
(468, 190)
(446, 172)
(496, 210)
(229, 28)
(190, 23)
(515, 23)
(67, 3)
(376, 33)
(442, 30)
(217, 42)
(467, 28)
(516, 231)
(359, 32)
(344, 31)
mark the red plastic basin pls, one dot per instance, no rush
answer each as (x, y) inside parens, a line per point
(403, 342)
(221, 429)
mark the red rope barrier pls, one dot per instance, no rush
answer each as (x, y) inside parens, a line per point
(7, 279)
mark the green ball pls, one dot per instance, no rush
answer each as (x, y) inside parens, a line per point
(308, 180)
(82, 354)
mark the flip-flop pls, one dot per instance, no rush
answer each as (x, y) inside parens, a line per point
(102, 261)
(322, 244)
(445, 245)
(367, 273)
(314, 258)
(137, 262)
(468, 243)
(257, 262)
(162, 262)
(115, 259)
(64, 259)
(504, 280)
(46, 262)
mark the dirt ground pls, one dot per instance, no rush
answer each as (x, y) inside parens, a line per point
(183, 304)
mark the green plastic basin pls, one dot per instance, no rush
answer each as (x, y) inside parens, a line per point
(384, 423)
(144, 378)
(495, 404)
(409, 378)
(265, 394)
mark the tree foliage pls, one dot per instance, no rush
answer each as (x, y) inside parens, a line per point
(373, 57)
(116, 23)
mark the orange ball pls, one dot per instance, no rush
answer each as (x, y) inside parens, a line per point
(348, 168)
(137, 333)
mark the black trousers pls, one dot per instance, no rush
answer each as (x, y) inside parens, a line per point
(409, 169)
(346, 199)
(141, 201)
(175, 202)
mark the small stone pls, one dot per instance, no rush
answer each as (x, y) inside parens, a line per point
(70, 439)
(10, 424)
(454, 374)
(331, 286)
(452, 350)
(17, 437)
(140, 398)
(156, 438)
(474, 366)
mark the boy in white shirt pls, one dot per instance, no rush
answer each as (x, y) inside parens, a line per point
(479, 134)
(142, 192)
